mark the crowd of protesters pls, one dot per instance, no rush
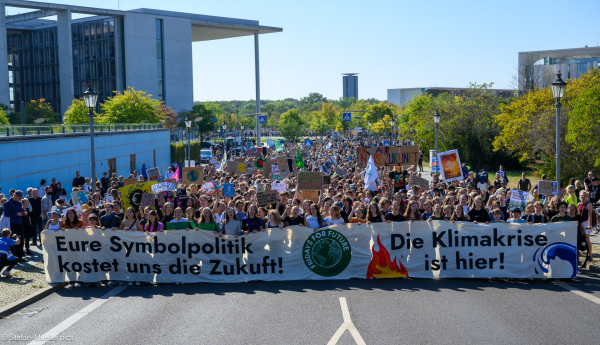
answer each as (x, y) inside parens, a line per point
(345, 200)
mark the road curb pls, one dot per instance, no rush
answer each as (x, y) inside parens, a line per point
(13, 307)
(594, 268)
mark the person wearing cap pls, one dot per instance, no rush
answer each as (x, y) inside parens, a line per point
(515, 215)
(13, 209)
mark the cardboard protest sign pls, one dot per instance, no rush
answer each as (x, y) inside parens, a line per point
(192, 175)
(267, 197)
(170, 180)
(83, 197)
(267, 167)
(282, 164)
(239, 167)
(310, 181)
(450, 164)
(229, 190)
(419, 182)
(132, 194)
(153, 174)
(254, 153)
(161, 198)
(548, 187)
(389, 156)
(341, 172)
(147, 200)
(74, 197)
(279, 186)
(208, 178)
(163, 187)
(130, 181)
(312, 195)
(326, 179)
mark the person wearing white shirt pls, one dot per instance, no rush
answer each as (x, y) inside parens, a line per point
(87, 187)
(42, 189)
(169, 174)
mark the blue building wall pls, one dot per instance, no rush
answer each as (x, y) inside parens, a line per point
(25, 161)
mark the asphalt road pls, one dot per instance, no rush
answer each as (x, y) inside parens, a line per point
(390, 311)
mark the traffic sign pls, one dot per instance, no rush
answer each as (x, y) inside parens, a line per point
(346, 117)
(308, 143)
(335, 134)
(386, 143)
(262, 118)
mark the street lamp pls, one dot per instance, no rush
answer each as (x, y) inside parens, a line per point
(558, 91)
(188, 124)
(90, 97)
(392, 123)
(436, 119)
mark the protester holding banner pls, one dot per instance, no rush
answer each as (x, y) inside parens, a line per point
(252, 222)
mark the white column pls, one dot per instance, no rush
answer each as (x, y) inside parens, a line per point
(4, 88)
(65, 60)
(257, 76)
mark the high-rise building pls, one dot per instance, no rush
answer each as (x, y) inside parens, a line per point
(150, 50)
(350, 85)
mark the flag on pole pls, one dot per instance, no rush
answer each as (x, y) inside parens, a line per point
(176, 175)
(278, 146)
(299, 161)
(371, 175)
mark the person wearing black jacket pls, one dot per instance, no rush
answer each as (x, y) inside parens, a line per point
(36, 216)
(79, 180)
(110, 220)
(478, 214)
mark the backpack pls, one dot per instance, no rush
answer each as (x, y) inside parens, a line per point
(581, 240)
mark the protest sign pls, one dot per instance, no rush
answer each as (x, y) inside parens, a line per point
(254, 153)
(74, 197)
(83, 197)
(267, 167)
(160, 197)
(260, 187)
(419, 182)
(282, 164)
(147, 200)
(482, 177)
(229, 190)
(279, 186)
(192, 175)
(548, 188)
(208, 178)
(267, 197)
(214, 161)
(163, 187)
(275, 172)
(389, 156)
(347, 251)
(130, 181)
(341, 172)
(518, 199)
(208, 187)
(326, 179)
(312, 195)
(170, 180)
(239, 167)
(153, 174)
(310, 181)
(132, 194)
(450, 164)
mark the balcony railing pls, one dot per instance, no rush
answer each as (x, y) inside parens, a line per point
(25, 130)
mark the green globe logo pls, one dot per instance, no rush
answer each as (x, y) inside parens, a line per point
(193, 175)
(327, 253)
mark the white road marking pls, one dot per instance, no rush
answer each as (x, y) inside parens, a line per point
(579, 292)
(61, 327)
(347, 325)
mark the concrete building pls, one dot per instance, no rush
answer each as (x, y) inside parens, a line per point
(403, 95)
(538, 69)
(26, 160)
(150, 50)
(350, 85)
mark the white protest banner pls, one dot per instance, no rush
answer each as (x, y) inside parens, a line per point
(518, 199)
(164, 187)
(548, 187)
(279, 186)
(435, 249)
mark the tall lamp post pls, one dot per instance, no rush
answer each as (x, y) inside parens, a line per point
(188, 124)
(223, 128)
(392, 123)
(241, 134)
(436, 119)
(90, 97)
(558, 91)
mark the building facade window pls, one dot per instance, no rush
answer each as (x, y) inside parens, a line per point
(160, 59)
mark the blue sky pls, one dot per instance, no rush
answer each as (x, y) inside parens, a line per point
(392, 44)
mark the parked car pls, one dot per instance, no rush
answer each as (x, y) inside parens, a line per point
(206, 155)
(207, 145)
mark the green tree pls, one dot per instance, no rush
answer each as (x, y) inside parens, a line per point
(205, 125)
(131, 106)
(3, 118)
(78, 113)
(291, 125)
(37, 109)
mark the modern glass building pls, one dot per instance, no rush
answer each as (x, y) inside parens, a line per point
(350, 85)
(150, 50)
(539, 68)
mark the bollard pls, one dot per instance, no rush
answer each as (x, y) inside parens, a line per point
(51, 130)
(38, 130)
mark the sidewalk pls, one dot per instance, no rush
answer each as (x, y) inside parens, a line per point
(27, 278)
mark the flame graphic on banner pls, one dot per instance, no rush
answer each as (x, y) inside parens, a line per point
(382, 267)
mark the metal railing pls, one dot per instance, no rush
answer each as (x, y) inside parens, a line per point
(25, 130)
